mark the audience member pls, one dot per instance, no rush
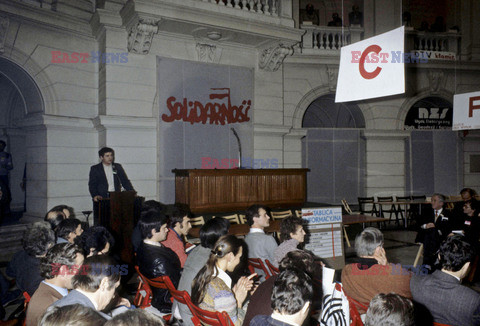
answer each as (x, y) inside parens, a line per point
(372, 274)
(155, 260)
(94, 284)
(179, 225)
(291, 235)
(135, 317)
(54, 216)
(147, 205)
(72, 315)
(424, 27)
(390, 310)
(468, 195)
(260, 301)
(212, 288)
(471, 224)
(435, 226)
(68, 230)
(210, 232)
(25, 265)
(310, 14)
(260, 245)
(291, 299)
(441, 293)
(57, 268)
(95, 241)
(336, 20)
(67, 210)
(356, 16)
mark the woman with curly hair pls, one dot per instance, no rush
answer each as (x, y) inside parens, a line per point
(95, 241)
(292, 235)
(212, 287)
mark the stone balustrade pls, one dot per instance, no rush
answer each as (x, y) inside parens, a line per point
(328, 40)
(265, 7)
(434, 42)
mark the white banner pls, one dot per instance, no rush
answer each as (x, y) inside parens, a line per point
(328, 215)
(373, 67)
(466, 111)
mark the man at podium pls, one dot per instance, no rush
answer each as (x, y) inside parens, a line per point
(106, 177)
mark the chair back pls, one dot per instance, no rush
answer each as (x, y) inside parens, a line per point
(234, 219)
(298, 213)
(258, 264)
(205, 317)
(355, 319)
(364, 202)
(197, 221)
(281, 214)
(143, 297)
(346, 207)
(180, 296)
(242, 218)
(438, 324)
(25, 306)
(273, 270)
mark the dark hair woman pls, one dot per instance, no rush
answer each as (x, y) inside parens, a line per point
(211, 288)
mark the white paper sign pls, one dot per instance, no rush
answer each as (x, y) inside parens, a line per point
(466, 111)
(373, 67)
(322, 215)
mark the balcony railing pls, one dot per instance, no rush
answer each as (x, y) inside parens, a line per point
(434, 42)
(328, 40)
(266, 7)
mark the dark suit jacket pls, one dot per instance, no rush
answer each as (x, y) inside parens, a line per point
(443, 225)
(448, 301)
(97, 181)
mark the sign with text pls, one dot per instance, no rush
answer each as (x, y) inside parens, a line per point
(372, 68)
(466, 111)
(325, 240)
(430, 113)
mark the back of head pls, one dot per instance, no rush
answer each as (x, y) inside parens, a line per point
(94, 239)
(454, 253)
(178, 213)
(94, 270)
(135, 317)
(289, 225)
(367, 241)
(54, 217)
(225, 245)
(66, 226)
(60, 254)
(72, 315)
(150, 220)
(38, 238)
(390, 310)
(155, 205)
(212, 230)
(292, 289)
(300, 260)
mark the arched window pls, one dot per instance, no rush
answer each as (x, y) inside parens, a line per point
(325, 113)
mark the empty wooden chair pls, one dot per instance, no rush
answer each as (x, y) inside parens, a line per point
(242, 218)
(388, 208)
(234, 219)
(281, 214)
(367, 206)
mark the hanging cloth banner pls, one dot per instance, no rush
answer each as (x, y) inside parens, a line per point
(466, 111)
(373, 67)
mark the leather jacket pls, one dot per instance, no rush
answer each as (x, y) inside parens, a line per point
(155, 261)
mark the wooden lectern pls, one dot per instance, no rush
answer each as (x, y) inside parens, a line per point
(119, 214)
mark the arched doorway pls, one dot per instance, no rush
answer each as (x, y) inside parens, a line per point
(334, 150)
(19, 98)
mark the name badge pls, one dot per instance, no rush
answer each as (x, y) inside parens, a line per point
(468, 222)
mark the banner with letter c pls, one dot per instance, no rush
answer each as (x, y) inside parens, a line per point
(372, 68)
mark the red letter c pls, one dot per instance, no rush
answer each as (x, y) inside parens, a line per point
(365, 74)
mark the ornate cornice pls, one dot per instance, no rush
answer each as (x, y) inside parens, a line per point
(140, 36)
(4, 24)
(272, 58)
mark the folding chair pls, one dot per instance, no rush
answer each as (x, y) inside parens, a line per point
(415, 209)
(364, 203)
(258, 264)
(242, 218)
(419, 254)
(25, 306)
(205, 317)
(197, 221)
(143, 296)
(273, 270)
(157, 282)
(347, 208)
(392, 210)
(401, 208)
(234, 219)
(298, 213)
(438, 324)
(281, 215)
(355, 319)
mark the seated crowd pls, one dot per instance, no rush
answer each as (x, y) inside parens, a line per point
(69, 271)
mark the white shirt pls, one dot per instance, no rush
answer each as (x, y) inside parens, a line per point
(256, 230)
(224, 277)
(109, 173)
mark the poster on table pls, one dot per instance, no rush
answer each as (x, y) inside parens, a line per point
(373, 67)
(325, 238)
(466, 111)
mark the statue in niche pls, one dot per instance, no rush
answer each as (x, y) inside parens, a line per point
(309, 15)
(355, 18)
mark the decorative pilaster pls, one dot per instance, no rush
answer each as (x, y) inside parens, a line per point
(272, 58)
(140, 36)
(4, 23)
(332, 72)
(208, 52)
(436, 79)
